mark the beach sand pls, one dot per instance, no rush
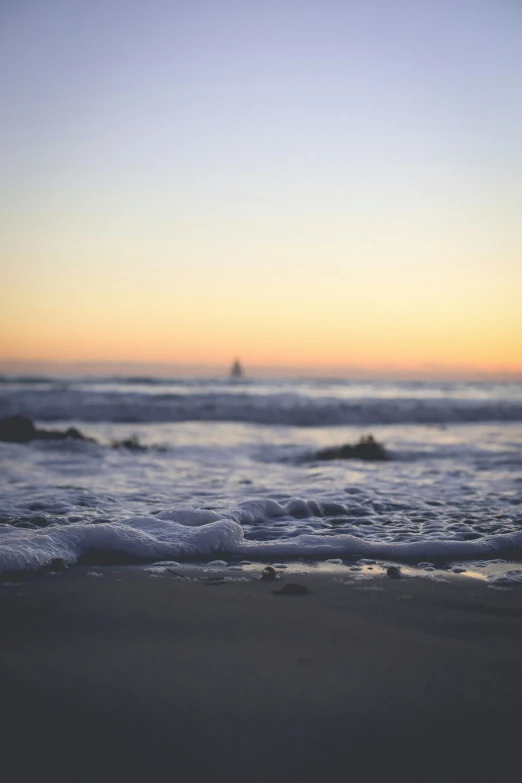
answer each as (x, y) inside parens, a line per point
(127, 676)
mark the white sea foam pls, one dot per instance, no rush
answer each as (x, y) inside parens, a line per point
(190, 517)
(146, 538)
(230, 488)
(166, 564)
(151, 538)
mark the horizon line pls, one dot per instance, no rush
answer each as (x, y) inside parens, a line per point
(219, 369)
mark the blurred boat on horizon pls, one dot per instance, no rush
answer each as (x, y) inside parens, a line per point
(237, 370)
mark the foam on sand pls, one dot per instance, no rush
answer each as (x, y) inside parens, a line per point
(185, 533)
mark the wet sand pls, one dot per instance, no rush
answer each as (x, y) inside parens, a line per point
(126, 676)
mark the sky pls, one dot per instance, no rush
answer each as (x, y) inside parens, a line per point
(326, 184)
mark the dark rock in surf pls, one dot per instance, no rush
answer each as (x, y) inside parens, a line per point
(132, 444)
(269, 574)
(72, 433)
(56, 565)
(393, 572)
(20, 429)
(17, 429)
(367, 449)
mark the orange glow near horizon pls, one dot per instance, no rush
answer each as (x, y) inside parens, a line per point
(331, 193)
(418, 330)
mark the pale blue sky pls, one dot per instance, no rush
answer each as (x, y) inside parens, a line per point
(343, 149)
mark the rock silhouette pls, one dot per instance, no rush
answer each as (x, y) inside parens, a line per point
(21, 429)
(131, 443)
(367, 448)
(269, 574)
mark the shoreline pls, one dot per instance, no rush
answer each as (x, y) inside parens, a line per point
(494, 572)
(215, 674)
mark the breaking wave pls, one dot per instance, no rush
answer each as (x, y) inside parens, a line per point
(291, 409)
(187, 533)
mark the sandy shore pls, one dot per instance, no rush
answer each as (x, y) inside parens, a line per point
(130, 676)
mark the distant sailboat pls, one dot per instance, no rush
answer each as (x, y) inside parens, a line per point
(237, 370)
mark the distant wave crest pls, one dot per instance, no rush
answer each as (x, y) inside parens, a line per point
(290, 409)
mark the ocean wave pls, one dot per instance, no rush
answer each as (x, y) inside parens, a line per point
(190, 534)
(290, 409)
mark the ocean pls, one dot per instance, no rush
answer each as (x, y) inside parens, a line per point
(229, 472)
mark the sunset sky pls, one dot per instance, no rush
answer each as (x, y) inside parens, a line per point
(326, 184)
